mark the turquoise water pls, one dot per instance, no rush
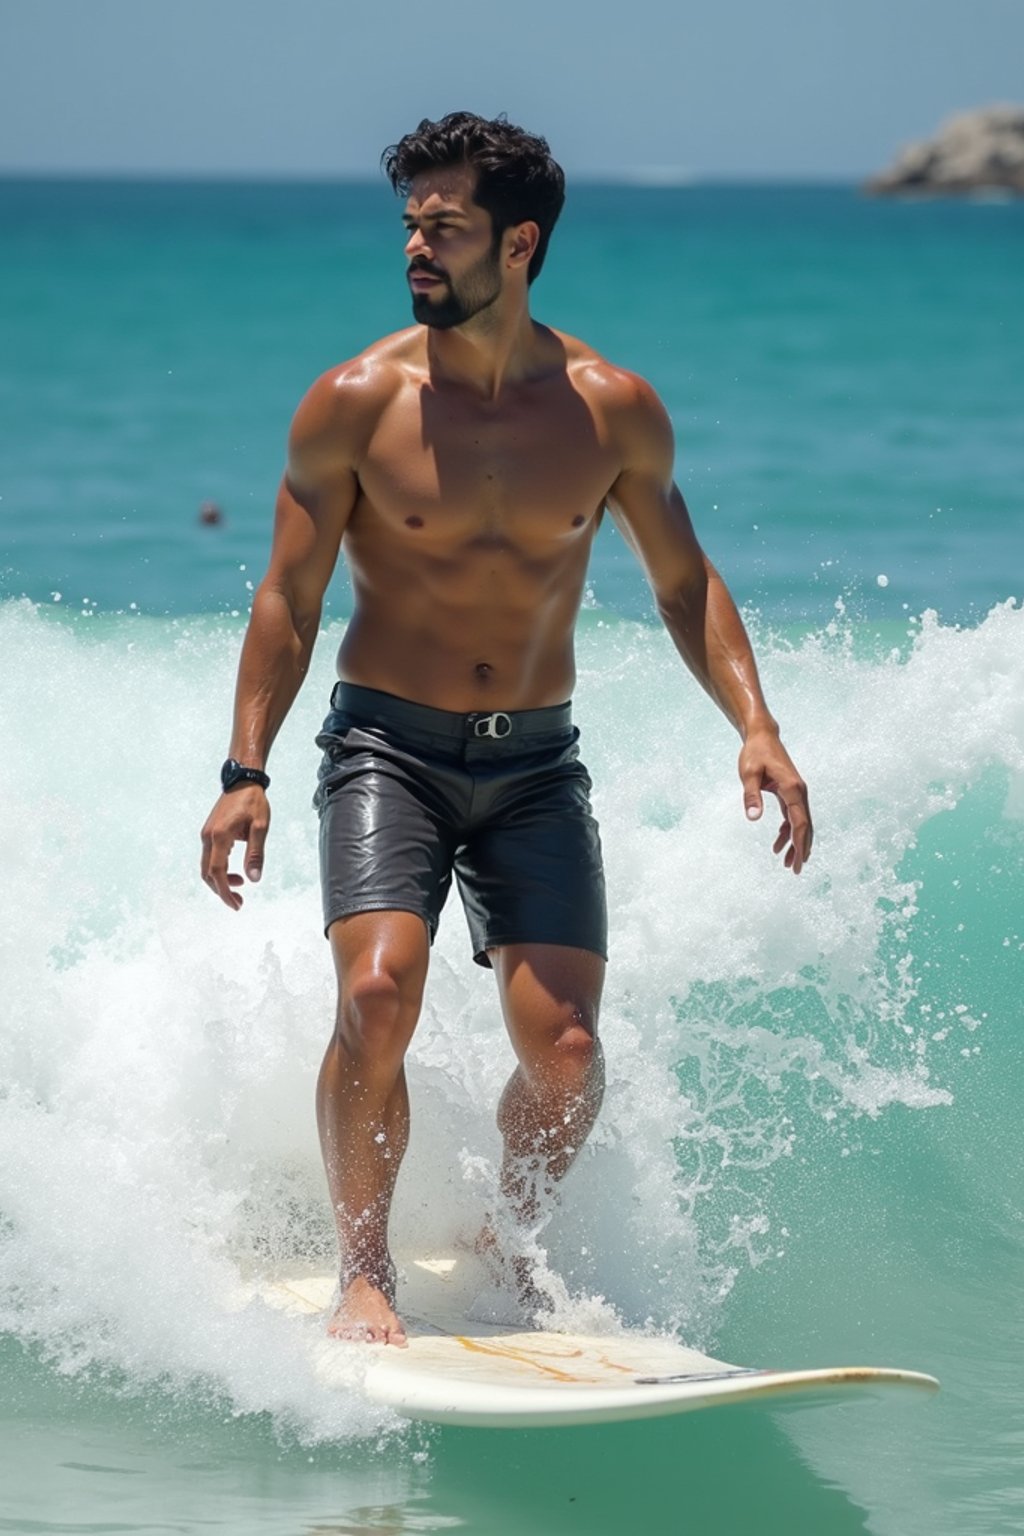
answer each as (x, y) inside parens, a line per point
(810, 1150)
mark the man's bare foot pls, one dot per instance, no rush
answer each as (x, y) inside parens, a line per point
(510, 1271)
(365, 1314)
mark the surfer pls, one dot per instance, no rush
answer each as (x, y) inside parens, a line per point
(465, 465)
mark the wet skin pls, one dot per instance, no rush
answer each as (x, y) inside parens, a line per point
(464, 469)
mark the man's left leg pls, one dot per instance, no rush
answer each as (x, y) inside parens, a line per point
(550, 995)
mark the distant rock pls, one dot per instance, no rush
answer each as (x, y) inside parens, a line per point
(972, 151)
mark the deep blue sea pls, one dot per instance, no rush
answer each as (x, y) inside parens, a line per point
(810, 1152)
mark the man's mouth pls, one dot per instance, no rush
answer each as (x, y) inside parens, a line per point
(421, 279)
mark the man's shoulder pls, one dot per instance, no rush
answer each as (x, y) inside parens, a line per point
(343, 405)
(605, 383)
(369, 379)
(625, 403)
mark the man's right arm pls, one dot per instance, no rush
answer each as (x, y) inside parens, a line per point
(317, 495)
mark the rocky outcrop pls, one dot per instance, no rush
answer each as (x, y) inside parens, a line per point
(971, 151)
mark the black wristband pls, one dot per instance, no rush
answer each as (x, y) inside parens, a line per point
(234, 773)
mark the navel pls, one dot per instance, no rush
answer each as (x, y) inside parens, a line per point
(414, 522)
(483, 670)
(578, 520)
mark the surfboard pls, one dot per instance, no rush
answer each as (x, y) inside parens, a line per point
(459, 1370)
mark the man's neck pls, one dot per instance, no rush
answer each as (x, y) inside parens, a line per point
(497, 348)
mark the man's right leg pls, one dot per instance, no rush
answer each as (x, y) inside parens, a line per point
(363, 1106)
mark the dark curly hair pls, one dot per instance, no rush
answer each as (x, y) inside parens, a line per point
(517, 179)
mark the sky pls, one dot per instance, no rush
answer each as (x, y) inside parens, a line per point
(816, 89)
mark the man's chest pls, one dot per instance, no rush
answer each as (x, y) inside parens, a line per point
(463, 468)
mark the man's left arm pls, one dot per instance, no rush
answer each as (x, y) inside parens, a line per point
(698, 612)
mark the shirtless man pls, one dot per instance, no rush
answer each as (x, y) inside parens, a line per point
(465, 465)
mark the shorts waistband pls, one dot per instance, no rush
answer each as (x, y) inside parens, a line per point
(480, 725)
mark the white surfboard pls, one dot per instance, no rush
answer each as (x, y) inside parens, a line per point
(494, 1374)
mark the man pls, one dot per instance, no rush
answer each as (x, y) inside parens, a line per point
(465, 464)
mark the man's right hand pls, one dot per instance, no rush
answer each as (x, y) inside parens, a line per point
(240, 816)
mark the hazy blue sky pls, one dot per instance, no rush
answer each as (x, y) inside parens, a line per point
(724, 88)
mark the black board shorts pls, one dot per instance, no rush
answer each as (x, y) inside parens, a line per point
(408, 794)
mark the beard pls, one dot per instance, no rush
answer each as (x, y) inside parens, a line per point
(459, 301)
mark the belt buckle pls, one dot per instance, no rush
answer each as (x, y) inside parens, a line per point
(497, 726)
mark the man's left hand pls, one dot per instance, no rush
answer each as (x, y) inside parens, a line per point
(766, 768)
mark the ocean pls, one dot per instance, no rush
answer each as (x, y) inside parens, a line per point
(810, 1150)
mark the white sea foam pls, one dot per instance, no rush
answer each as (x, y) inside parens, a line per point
(158, 1055)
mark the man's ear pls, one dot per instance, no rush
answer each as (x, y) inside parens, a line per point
(524, 242)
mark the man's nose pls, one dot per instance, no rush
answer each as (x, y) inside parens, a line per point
(416, 245)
